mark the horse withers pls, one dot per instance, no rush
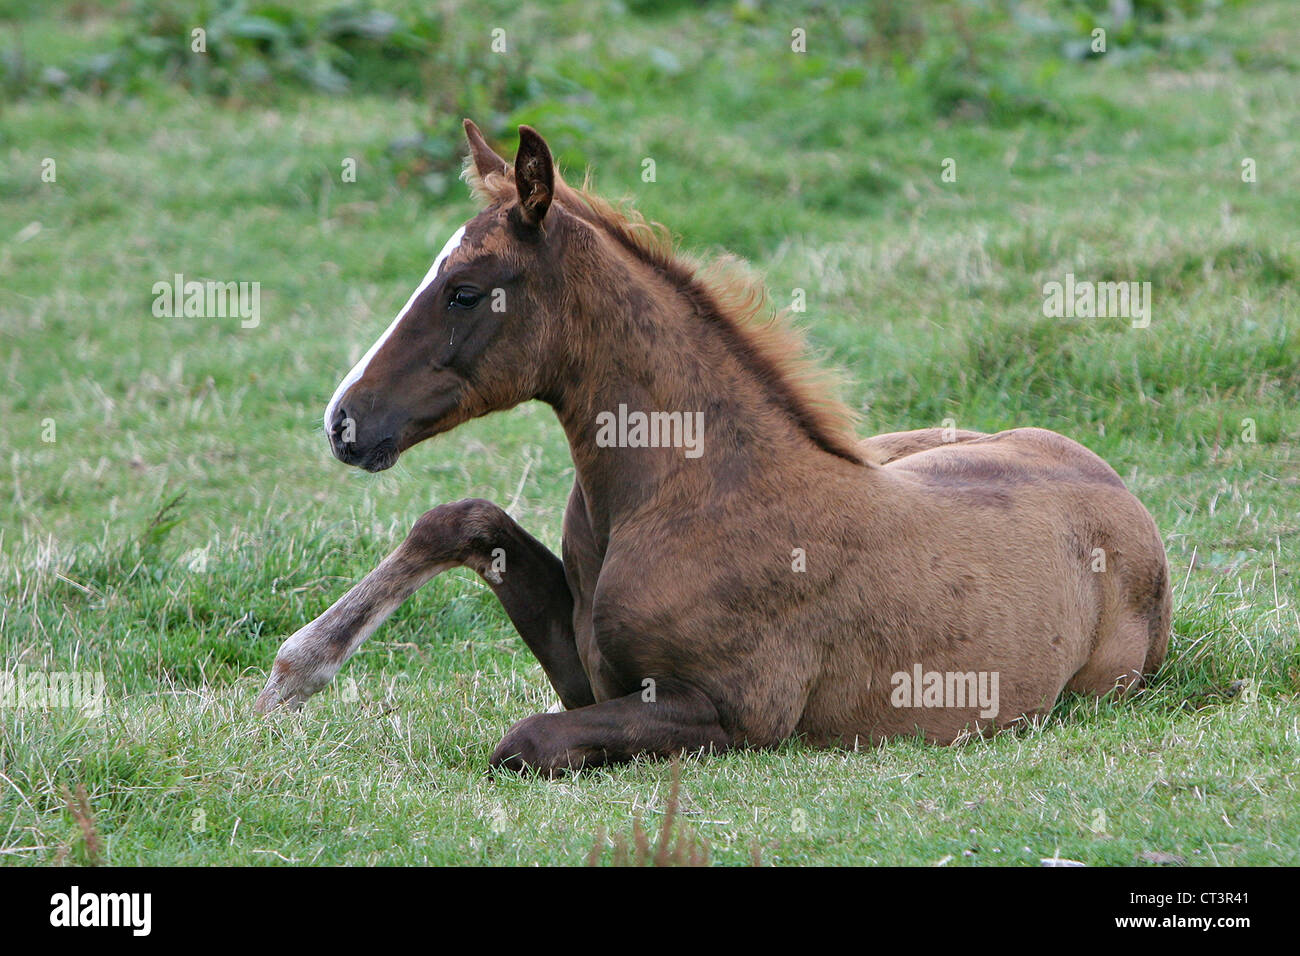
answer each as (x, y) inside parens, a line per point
(737, 566)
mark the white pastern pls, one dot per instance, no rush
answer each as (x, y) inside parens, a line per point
(360, 368)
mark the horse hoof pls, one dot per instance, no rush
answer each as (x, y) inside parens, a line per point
(266, 701)
(273, 696)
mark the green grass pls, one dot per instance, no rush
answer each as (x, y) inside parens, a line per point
(823, 169)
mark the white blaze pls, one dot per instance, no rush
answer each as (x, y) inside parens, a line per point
(360, 368)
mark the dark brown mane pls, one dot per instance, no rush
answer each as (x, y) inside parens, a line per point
(727, 294)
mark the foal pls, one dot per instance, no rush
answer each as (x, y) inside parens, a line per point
(786, 578)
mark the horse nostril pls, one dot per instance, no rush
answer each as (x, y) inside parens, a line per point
(337, 425)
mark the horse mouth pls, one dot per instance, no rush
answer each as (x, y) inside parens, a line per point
(399, 433)
(378, 457)
(381, 457)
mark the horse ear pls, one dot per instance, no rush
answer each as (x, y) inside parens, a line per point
(534, 176)
(485, 158)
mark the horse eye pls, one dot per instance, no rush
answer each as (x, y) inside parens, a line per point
(465, 298)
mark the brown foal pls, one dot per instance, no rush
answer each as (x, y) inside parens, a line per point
(737, 566)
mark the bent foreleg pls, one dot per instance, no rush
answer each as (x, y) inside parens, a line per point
(471, 533)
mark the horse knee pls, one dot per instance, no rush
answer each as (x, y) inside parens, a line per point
(458, 530)
(530, 746)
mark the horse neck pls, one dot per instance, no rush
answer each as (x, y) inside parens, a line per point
(643, 343)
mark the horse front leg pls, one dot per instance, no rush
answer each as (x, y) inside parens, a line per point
(526, 577)
(673, 720)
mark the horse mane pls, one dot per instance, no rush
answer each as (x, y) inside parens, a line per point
(727, 292)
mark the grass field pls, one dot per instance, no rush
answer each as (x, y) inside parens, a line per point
(169, 510)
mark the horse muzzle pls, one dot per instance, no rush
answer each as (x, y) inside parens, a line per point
(373, 452)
